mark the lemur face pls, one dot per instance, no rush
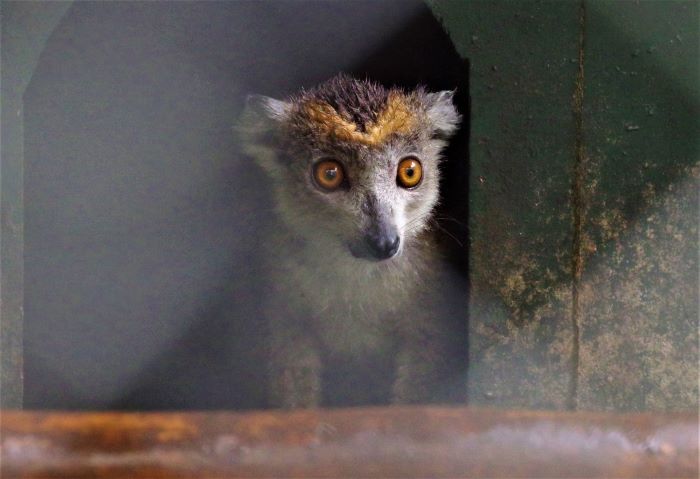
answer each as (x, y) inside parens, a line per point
(354, 165)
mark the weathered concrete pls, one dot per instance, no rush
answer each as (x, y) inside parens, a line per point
(21, 47)
(583, 202)
(639, 289)
(520, 219)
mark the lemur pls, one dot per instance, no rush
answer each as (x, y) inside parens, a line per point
(352, 263)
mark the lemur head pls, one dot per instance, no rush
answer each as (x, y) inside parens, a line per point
(354, 164)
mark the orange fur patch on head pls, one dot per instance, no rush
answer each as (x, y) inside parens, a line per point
(330, 123)
(396, 117)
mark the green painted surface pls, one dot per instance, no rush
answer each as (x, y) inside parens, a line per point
(523, 59)
(25, 28)
(640, 285)
(637, 301)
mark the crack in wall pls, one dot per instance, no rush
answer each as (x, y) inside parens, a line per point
(577, 209)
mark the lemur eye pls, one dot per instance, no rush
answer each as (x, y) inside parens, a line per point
(410, 172)
(328, 174)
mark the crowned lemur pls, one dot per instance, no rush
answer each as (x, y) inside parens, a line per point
(352, 264)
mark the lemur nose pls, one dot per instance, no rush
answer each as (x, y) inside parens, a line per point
(384, 246)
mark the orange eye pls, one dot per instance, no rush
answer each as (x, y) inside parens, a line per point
(410, 172)
(329, 174)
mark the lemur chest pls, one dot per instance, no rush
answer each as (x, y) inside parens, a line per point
(351, 311)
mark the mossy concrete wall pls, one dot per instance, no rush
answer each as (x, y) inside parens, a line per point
(583, 202)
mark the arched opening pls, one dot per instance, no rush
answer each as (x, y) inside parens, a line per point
(141, 247)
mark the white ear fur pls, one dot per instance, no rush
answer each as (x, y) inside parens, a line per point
(257, 125)
(442, 113)
(274, 109)
(264, 112)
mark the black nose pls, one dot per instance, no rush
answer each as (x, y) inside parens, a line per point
(383, 246)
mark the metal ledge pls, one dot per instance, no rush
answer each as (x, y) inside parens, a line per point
(363, 442)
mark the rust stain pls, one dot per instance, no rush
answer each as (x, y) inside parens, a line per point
(577, 209)
(367, 442)
(133, 422)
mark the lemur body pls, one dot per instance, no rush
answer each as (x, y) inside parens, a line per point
(352, 266)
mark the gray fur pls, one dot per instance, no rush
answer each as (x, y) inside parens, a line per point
(325, 301)
(442, 113)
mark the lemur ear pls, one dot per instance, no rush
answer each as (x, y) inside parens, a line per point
(258, 129)
(263, 113)
(442, 113)
(267, 107)
(258, 126)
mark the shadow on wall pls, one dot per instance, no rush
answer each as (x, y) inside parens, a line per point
(141, 216)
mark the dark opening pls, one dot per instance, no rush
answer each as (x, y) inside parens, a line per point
(141, 254)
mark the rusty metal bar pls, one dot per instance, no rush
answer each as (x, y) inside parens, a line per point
(363, 442)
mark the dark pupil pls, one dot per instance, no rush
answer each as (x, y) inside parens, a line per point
(409, 172)
(330, 174)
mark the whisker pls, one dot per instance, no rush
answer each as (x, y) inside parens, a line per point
(413, 221)
(450, 218)
(447, 233)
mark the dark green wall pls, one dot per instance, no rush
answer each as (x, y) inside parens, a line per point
(583, 201)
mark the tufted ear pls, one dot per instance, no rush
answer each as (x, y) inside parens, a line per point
(259, 125)
(442, 113)
(263, 114)
(266, 107)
